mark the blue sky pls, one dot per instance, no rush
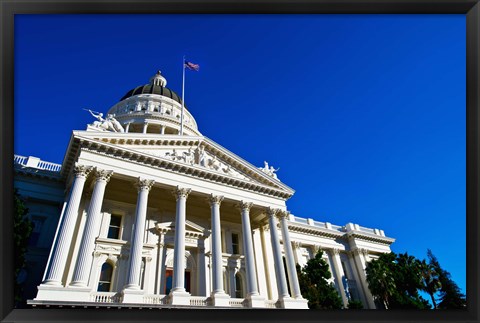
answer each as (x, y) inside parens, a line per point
(364, 114)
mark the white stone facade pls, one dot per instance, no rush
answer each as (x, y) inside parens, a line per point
(154, 218)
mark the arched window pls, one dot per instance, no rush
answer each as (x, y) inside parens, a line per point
(105, 280)
(238, 286)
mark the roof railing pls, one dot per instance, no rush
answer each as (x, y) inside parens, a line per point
(37, 163)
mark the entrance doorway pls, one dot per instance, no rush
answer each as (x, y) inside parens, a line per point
(169, 281)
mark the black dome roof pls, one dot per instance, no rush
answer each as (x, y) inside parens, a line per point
(152, 89)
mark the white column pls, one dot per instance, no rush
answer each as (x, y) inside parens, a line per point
(162, 130)
(219, 297)
(337, 268)
(67, 227)
(201, 272)
(178, 282)
(361, 265)
(287, 245)
(217, 279)
(252, 288)
(127, 127)
(85, 255)
(253, 298)
(277, 255)
(135, 258)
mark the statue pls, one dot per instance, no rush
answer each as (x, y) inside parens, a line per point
(110, 123)
(200, 154)
(214, 164)
(188, 156)
(269, 170)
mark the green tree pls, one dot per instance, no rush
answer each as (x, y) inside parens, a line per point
(314, 285)
(450, 295)
(381, 278)
(394, 280)
(430, 279)
(22, 228)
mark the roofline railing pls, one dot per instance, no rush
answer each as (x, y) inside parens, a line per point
(37, 163)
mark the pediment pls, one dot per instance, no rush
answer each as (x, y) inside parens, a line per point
(190, 227)
(194, 155)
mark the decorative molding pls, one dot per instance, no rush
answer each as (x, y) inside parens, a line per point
(215, 200)
(271, 211)
(315, 249)
(283, 214)
(335, 251)
(143, 184)
(181, 192)
(105, 145)
(81, 170)
(103, 175)
(242, 205)
(296, 244)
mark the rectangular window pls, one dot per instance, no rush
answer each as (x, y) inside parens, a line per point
(235, 243)
(114, 227)
(37, 222)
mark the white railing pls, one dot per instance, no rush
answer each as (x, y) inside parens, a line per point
(270, 304)
(301, 220)
(337, 228)
(236, 302)
(319, 224)
(155, 299)
(199, 301)
(105, 298)
(37, 163)
(22, 160)
(367, 230)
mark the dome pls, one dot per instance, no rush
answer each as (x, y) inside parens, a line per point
(154, 108)
(156, 86)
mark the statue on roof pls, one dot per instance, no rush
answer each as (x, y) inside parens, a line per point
(108, 124)
(269, 170)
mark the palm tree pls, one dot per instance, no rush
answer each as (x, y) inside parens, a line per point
(380, 278)
(431, 281)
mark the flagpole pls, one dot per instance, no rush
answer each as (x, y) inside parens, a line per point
(183, 96)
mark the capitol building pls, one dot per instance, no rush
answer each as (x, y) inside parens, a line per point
(146, 212)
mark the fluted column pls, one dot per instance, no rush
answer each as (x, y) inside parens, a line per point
(360, 262)
(217, 274)
(84, 259)
(178, 283)
(252, 288)
(62, 245)
(277, 254)
(337, 268)
(287, 245)
(135, 259)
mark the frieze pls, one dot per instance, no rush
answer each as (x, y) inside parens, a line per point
(130, 156)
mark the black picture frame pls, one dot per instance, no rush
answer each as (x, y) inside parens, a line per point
(471, 8)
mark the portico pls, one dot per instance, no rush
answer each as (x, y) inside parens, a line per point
(160, 219)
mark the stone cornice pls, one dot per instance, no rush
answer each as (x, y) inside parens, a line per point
(328, 233)
(312, 230)
(357, 235)
(39, 173)
(107, 146)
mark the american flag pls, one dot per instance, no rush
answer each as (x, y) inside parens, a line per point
(192, 66)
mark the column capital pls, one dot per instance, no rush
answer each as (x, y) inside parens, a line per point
(283, 214)
(316, 249)
(271, 211)
(179, 192)
(296, 244)
(103, 175)
(215, 200)
(242, 205)
(360, 251)
(143, 184)
(335, 251)
(81, 170)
